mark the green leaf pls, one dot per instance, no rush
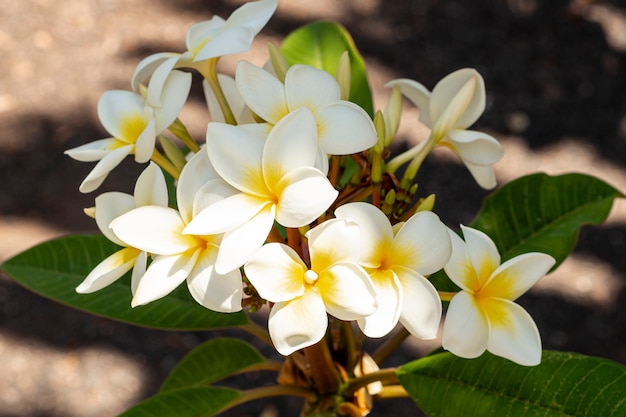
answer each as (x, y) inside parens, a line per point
(564, 384)
(210, 362)
(55, 268)
(320, 44)
(542, 213)
(190, 402)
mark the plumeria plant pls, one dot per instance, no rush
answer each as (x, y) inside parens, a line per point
(294, 211)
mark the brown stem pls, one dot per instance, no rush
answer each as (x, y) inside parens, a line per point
(323, 371)
(390, 345)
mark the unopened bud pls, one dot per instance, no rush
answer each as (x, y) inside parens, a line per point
(279, 63)
(173, 152)
(426, 204)
(392, 115)
(344, 75)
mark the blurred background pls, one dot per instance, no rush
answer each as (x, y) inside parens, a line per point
(555, 74)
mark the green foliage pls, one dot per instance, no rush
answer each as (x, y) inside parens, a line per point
(189, 402)
(55, 268)
(211, 362)
(320, 44)
(564, 384)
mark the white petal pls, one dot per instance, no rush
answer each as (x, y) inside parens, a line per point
(307, 86)
(277, 272)
(150, 188)
(514, 335)
(159, 78)
(217, 292)
(115, 106)
(417, 94)
(291, 144)
(139, 269)
(236, 155)
(144, 145)
(446, 90)
(210, 193)
(235, 101)
(482, 251)
(229, 40)
(147, 66)
(108, 271)
(465, 329)
(298, 323)
(333, 241)
(345, 128)
(347, 291)
(459, 268)
(514, 277)
(173, 98)
(484, 175)
(376, 231)
(155, 229)
(422, 244)
(254, 15)
(99, 173)
(196, 172)
(94, 151)
(165, 273)
(263, 93)
(109, 206)
(421, 308)
(239, 244)
(389, 296)
(303, 195)
(474, 147)
(202, 32)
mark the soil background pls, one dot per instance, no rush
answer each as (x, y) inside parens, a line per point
(555, 73)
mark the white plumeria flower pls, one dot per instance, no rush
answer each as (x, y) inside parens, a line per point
(343, 127)
(240, 111)
(150, 189)
(483, 315)
(206, 40)
(133, 124)
(455, 103)
(263, 180)
(178, 256)
(398, 259)
(334, 283)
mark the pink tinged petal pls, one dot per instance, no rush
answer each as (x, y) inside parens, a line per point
(376, 231)
(254, 15)
(291, 144)
(202, 32)
(277, 272)
(483, 253)
(116, 106)
(94, 151)
(459, 268)
(229, 40)
(238, 245)
(389, 297)
(347, 291)
(303, 194)
(475, 147)
(465, 329)
(139, 269)
(165, 273)
(225, 215)
(421, 308)
(465, 91)
(307, 86)
(236, 155)
(345, 128)
(217, 292)
(144, 146)
(514, 334)
(263, 93)
(422, 244)
(109, 206)
(298, 323)
(159, 79)
(148, 65)
(417, 94)
(195, 174)
(99, 173)
(150, 188)
(333, 241)
(172, 100)
(108, 271)
(517, 275)
(155, 229)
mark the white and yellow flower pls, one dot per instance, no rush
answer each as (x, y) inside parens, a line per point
(272, 179)
(398, 259)
(483, 315)
(334, 284)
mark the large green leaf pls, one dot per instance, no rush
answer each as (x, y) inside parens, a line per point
(210, 362)
(321, 44)
(190, 402)
(564, 384)
(542, 213)
(55, 268)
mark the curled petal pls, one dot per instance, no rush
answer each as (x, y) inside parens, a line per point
(417, 94)
(148, 65)
(159, 78)
(514, 277)
(297, 323)
(254, 15)
(201, 32)
(307, 86)
(229, 40)
(347, 291)
(109, 206)
(144, 146)
(173, 97)
(263, 93)
(484, 175)
(514, 334)
(139, 269)
(210, 193)
(94, 151)
(464, 88)
(150, 188)
(345, 128)
(389, 296)
(99, 173)
(465, 329)
(421, 309)
(277, 272)
(474, 147)
(109, 270)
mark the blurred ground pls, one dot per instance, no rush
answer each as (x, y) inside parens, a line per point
(556, 80)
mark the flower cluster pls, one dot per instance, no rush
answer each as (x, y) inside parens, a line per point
(292, 201)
